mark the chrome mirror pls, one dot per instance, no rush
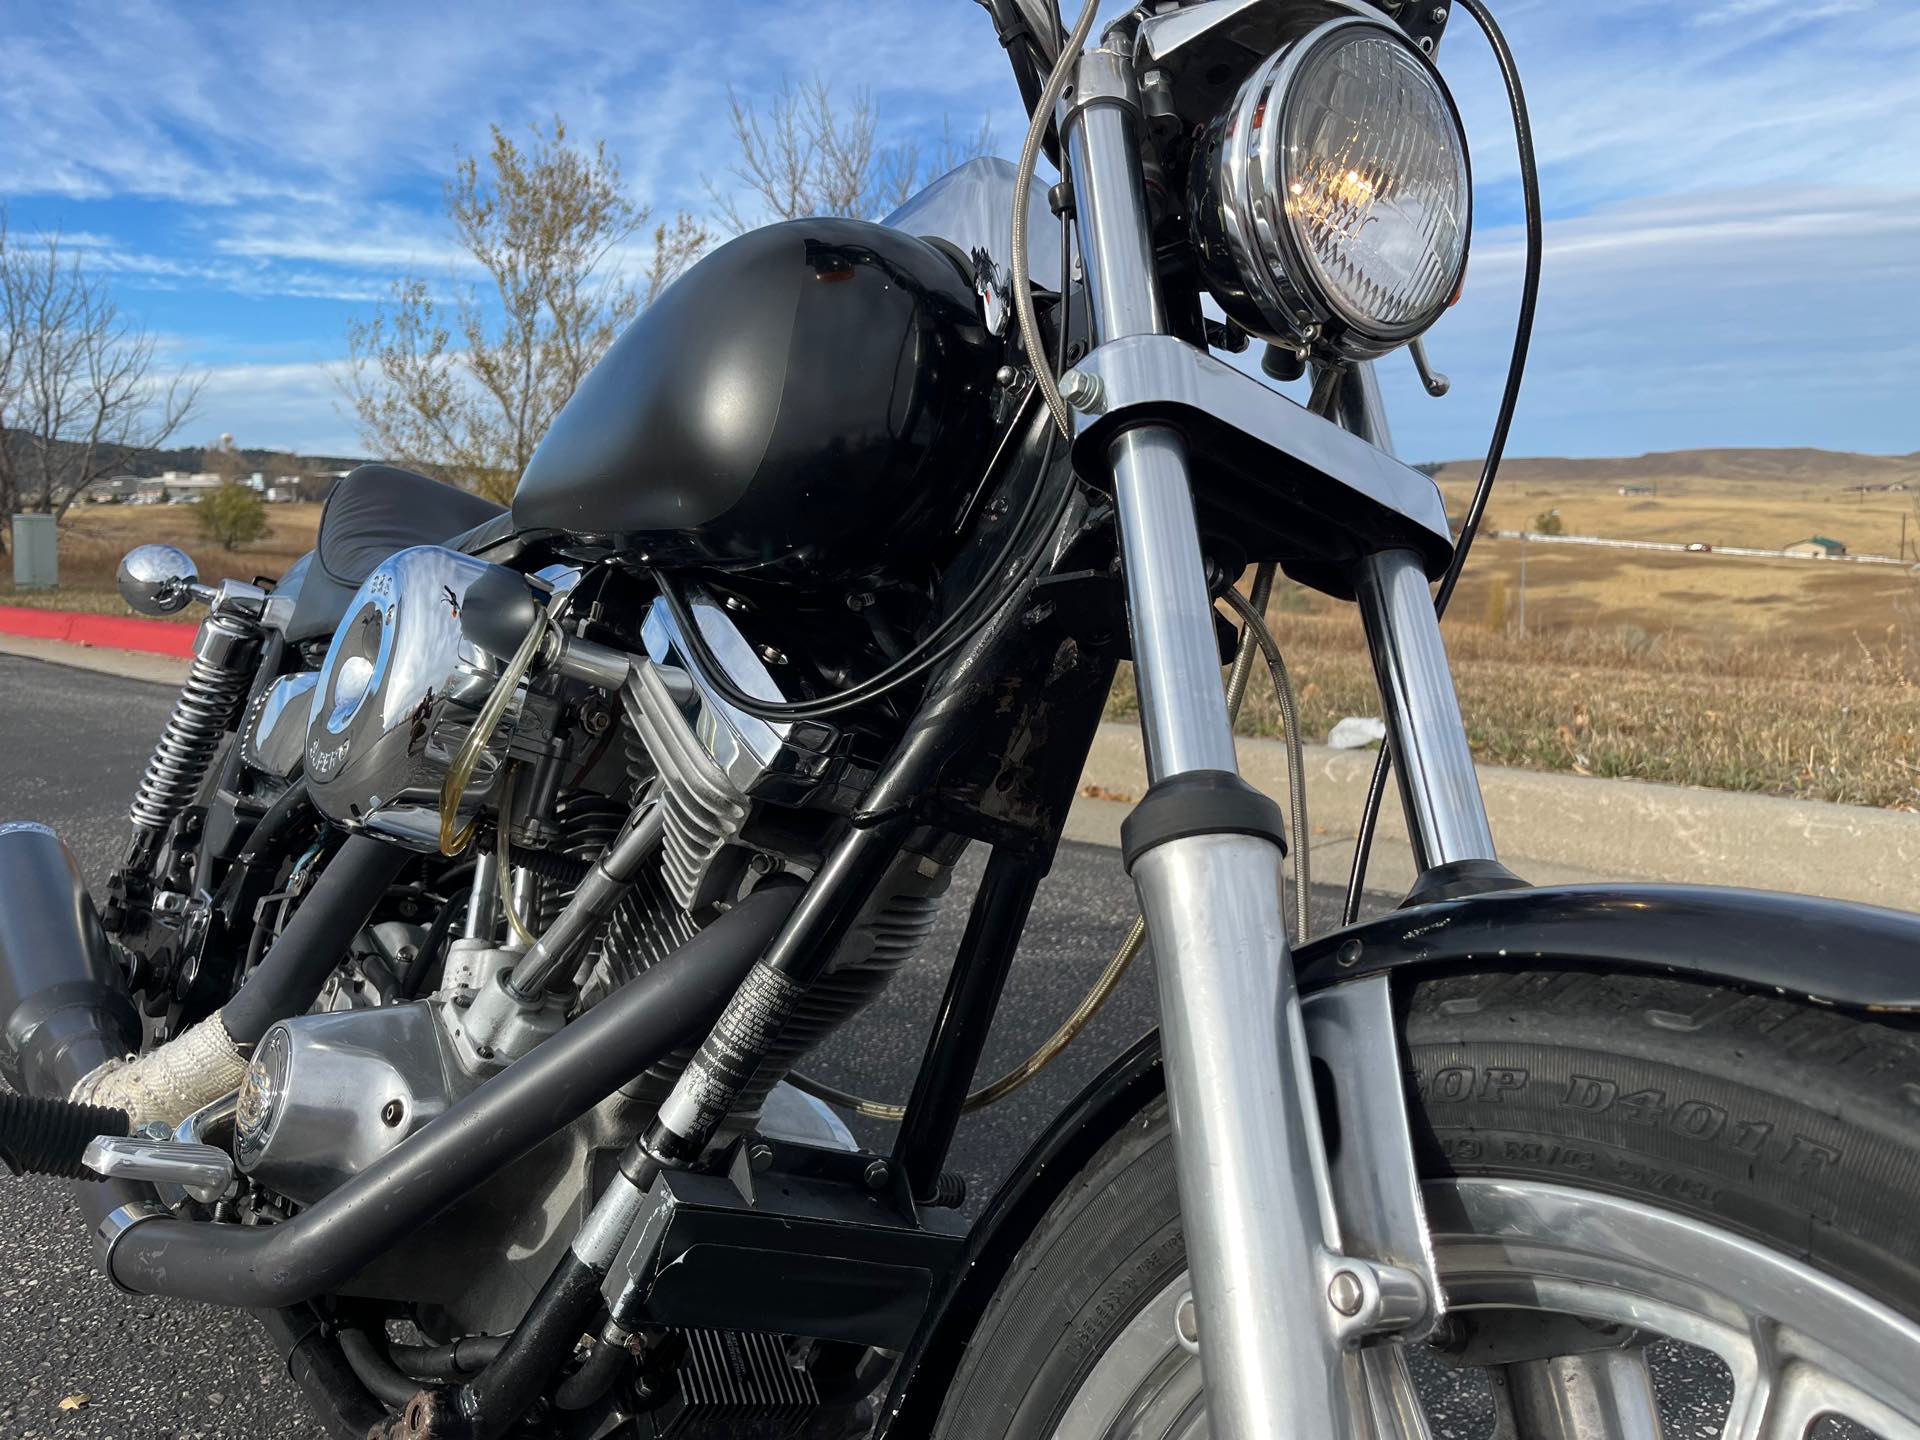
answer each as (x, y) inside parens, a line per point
(157, 579)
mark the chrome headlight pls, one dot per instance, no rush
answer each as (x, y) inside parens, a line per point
(1333, 201)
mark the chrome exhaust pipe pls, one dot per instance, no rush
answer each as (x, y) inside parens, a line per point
(64, 1007)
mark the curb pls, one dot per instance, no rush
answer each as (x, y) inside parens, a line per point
(1555, 828)
(113, 632)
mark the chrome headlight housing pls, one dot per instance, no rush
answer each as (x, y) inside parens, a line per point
(1332, 198)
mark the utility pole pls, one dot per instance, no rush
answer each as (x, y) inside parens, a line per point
(1523, 584)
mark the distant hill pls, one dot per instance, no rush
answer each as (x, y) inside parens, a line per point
(192, 458)
(1838, 469)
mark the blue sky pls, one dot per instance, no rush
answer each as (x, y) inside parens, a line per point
(1733, 186)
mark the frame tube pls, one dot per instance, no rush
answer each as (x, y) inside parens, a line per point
(1000, 909)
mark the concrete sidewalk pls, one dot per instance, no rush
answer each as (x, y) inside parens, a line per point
(1550, 828)
(127, 664)
(1564, 829)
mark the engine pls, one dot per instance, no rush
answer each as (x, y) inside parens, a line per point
(591, 757)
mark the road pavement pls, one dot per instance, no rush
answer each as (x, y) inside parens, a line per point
(72, 746)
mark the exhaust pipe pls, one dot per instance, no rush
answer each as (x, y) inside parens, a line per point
(65, 1015)
(318, 1250)
(64, 1008)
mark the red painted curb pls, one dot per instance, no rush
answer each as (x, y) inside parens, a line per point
(111, 632)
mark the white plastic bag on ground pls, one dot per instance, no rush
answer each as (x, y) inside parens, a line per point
(1356, 732)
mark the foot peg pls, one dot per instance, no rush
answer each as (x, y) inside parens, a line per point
(204, 1171)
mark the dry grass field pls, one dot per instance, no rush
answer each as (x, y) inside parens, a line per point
(94, 537)
(1763, 499)
(1784, 677)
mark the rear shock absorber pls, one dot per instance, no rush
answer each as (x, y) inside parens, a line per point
(223, 661)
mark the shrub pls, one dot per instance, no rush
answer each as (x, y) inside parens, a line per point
(232, 515)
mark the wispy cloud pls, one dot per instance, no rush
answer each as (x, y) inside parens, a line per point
(1732, 184)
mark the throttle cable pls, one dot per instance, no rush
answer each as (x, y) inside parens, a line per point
(1503, 421)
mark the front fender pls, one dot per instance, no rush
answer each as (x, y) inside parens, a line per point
(1857, 957)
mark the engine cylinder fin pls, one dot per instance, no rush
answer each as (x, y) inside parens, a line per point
(705, 810)
(649, 925)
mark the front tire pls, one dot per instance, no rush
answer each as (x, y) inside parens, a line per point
(1759, 1117)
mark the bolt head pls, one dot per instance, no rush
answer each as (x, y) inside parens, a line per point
(1438, 15)
(879, 1174)
(760, 1159)
(1345, 1292)
(1349, 953)
(1006, 375)
(1079, 389)
(1186, 1320)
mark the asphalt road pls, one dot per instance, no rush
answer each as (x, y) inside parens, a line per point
(72, 746)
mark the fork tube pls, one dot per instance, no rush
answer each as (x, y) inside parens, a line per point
(1246, 1144)
(1446, 816)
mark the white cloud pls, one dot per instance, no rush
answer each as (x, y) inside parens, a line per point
(1786, 316)
(278, 405)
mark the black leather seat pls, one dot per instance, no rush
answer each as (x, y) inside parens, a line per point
(374, 512)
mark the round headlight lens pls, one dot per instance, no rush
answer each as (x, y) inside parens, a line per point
(1337, 199)
(1375, 181)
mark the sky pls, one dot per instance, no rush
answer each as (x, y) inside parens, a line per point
(1732, 187)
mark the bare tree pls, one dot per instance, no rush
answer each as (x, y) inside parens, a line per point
(78, 394)
(465, 388)
(810, 155)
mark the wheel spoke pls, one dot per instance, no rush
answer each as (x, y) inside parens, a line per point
(1389, 1402)
(1605, 1395)
(1756, 1412)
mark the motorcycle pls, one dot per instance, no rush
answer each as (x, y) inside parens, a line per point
(497, 870)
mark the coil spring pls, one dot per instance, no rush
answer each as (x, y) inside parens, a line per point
(214, 688)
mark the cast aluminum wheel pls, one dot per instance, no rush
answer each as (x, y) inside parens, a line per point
(1799, 1346)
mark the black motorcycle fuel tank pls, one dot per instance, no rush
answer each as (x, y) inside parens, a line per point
(811, 397)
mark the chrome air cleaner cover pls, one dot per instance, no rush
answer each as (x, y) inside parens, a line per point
(397, 694)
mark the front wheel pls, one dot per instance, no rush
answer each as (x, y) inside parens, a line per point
(1610, 1161)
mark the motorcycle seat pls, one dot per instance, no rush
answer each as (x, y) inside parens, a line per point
(374, 512)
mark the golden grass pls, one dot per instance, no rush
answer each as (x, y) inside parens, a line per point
(1842, 727)
(94, 537)
(1785, 678)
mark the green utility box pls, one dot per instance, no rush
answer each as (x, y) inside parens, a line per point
(36, 552)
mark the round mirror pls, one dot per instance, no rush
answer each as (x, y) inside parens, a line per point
(157, 579)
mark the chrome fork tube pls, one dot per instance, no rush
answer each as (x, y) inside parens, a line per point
(1446, 816)
(1248, 1153)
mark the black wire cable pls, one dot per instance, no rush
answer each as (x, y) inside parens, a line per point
(1503, 422)
(930, 651)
